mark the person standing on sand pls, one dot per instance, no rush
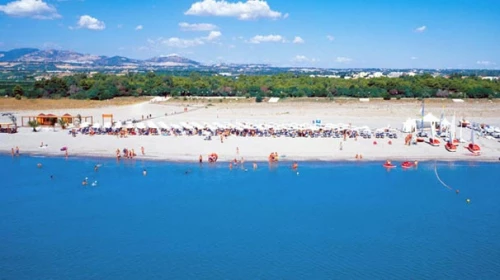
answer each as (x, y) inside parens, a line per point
(237, 150)
(341, 146)
(200, 159)
(17, 151)
(66, 153)
(142, 151)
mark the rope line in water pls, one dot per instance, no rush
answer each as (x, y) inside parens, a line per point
(439, 179)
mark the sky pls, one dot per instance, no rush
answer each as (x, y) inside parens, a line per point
(300, 33)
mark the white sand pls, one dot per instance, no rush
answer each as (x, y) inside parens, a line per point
(188, 148)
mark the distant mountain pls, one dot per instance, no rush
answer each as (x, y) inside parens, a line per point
(16, 54)
(171, 60)
(59, 57)
(116, 61)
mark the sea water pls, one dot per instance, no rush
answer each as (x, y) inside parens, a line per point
(186, 221)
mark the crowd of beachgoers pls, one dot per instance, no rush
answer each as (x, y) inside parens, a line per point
(240, 129)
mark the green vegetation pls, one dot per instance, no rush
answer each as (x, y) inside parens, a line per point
(105, 86)
(33, 124)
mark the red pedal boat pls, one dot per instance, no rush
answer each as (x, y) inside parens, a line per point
(450, 147)
(408, 164)
(388, 164)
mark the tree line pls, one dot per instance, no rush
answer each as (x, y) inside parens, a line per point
(106, 86)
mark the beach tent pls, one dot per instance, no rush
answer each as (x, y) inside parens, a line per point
(409, 125)
(430, 118)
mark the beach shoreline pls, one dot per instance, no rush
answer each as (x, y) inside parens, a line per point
(301, 149)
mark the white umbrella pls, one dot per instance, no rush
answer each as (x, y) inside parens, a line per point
(118, 125)
(175, 126)
(152, 125)
(107, 125)
(85, 124)
(163, 125)
(130, 125)
(140, 126)
(96, 125)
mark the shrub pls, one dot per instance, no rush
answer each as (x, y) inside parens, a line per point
(258, 98)
(18, 97)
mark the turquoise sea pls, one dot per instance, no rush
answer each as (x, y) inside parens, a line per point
(186, 221)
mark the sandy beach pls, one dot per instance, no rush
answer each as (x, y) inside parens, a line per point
(375, 114)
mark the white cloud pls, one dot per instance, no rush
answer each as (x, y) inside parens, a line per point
(413, 58)
(197, 26)
(180, 43)
(213, 35)
(303, 59)
(268, 38)
(91, 23)
(485, 62)
(176, 42)
(139, 27)
(30, 8)
(342, 59)
(421, 29)
(330, 38)
(298, 40)
(251, 9)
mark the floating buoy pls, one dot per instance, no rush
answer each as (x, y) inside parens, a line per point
(297, 173)
(467, 200)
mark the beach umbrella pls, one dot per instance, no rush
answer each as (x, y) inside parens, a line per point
(163, 125)
(140, 126)
(151, 124)
(197, 125)
(107, 125)
(85, 124)
(130, 125)
(118, 125)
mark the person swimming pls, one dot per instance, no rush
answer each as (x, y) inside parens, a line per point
(85, 181)
(295, 165)
(39, 165)
(144, 172)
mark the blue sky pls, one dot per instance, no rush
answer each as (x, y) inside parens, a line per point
(338, 34)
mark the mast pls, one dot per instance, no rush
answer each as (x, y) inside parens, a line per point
(422, 121)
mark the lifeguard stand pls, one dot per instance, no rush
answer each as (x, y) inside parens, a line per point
(107, 116)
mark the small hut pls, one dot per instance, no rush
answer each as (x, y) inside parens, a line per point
(49, 119)
(67, 118)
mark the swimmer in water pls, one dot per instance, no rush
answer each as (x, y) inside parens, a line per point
(39, 165)
(457, 191)
(254, 165)
(295, 165)
(51, 176)
(96, 167)
(144, 172)
(85, 181)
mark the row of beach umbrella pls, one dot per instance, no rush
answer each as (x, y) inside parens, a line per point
(218, 126)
